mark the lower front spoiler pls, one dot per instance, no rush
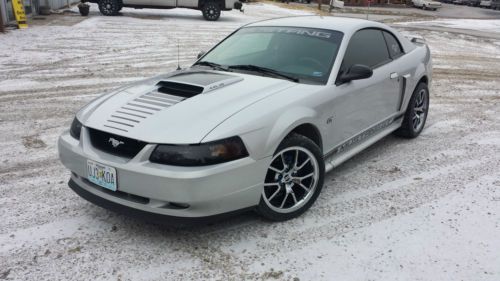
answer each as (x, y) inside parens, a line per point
(148, 216)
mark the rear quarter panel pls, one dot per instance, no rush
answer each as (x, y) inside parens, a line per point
(417, 63)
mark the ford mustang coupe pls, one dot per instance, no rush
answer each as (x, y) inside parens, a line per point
(255, 123)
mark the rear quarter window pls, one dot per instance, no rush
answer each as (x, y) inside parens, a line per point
(393, 45)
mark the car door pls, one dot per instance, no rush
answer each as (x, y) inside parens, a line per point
(361, 104)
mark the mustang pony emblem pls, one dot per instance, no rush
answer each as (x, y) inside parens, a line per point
(114, 142)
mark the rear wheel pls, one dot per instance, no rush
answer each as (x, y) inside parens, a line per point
(416, 113)
(110, 7)
(211, 11)
(293, 180)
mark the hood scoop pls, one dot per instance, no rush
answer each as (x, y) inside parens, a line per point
(179, 89)
(191, 83)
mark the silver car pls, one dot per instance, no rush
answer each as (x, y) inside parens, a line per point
(254, 124)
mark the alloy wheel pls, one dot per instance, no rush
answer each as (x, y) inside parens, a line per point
(291, 179)
(420, 110)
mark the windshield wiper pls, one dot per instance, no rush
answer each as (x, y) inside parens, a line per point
(265, 70)
(213, 65)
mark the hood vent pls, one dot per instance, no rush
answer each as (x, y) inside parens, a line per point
(179, 89)
(135, 111)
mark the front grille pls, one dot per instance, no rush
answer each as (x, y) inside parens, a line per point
(114, 144)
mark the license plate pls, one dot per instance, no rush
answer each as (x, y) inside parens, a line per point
(101, 175)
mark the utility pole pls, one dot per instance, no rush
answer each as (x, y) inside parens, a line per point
(368, 10)
(1, 20)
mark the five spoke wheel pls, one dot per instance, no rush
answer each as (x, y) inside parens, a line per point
(291, 179)
(416, 113)
(420, 109)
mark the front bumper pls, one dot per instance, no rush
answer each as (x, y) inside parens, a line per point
(145, 215)
(162, 190)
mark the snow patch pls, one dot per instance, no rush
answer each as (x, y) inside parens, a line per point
(471, 24)
(17, 84)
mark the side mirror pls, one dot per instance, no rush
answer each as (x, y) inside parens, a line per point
(201, 54)
(355, 72)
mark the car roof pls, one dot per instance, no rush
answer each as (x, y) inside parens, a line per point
(348, 26)
(345, 25)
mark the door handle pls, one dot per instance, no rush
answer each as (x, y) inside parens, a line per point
(394, 75)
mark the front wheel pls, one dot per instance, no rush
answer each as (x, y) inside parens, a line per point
(211, 11)
(416, 113)
(110, 7)
(293, 180)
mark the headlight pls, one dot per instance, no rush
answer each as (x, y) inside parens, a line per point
(76, 129)
(209, 153)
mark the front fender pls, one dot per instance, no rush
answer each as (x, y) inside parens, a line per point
(263, 134)
(286, 123)
(264, 124)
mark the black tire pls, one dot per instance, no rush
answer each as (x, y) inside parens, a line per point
(301, 199)
(408, 128)
(211, 11)
(110, 7)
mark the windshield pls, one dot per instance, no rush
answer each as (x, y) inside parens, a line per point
(303, 54)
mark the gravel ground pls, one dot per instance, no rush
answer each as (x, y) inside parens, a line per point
(422, 209)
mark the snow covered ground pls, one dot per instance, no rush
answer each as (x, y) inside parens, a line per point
(424, 209)
(470, 24)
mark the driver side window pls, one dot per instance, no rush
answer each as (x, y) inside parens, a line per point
(366, 47)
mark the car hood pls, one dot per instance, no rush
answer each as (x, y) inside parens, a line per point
(179, 108)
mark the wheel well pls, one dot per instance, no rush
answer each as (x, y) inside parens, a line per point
(423, 80)
(311, 132)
